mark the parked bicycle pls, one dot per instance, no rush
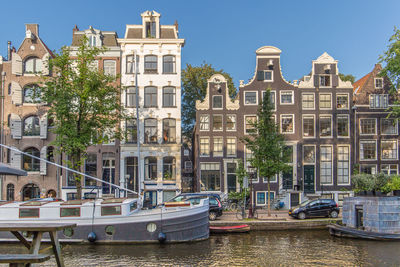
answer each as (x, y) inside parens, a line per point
(244, 213)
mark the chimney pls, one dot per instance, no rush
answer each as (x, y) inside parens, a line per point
(9, 50)
(75, 29)
(176, 25)
(34, 28)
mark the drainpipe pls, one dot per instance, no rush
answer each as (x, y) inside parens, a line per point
(355, 135)
(2, 135)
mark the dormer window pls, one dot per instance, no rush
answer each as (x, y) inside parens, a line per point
(325, 80)
(92, 40)
(33, 65)
(378, 83)
(150, 29)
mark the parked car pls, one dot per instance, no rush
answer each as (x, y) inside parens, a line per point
(316, 208)
(194, 198)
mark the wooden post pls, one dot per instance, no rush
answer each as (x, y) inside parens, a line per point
(56, 248)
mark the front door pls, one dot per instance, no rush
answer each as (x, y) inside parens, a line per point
(287, 179)
(309, 179)
(108, 175)
(231, 177)
(294, 199)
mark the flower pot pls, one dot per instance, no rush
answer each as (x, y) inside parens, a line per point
(378, 193)
(396, 193)
(369, 193)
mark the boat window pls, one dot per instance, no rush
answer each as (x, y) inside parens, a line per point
(133, 206)
(70, 212)
(68, 232)
(113, 200)
(33, 203)
(29, 213)
(110, 230)
(110, 210)
(151, 227)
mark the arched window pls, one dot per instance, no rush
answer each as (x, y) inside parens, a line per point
(169, 131)
(31, 126)
(31, 164)
(169, 96)
(33, 65)
(150, 168)
(10, 192)
(150, 131)
(31, 94)
(150, 96)
(168, 64)
(169, 168)
(150, 64)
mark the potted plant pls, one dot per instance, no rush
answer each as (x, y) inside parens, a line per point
(380, 184)
(394, 185)
(363, 184)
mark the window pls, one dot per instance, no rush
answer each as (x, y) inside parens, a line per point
(343, 126)
(92, 40)
(10, 192)
(150, 168)
(326, 164)
(378, 83)
(169, 168)
(204, 146)
(309, 154)
(342, 101)
(131, 131)
(231, 146)
(217, 102)
(150, 131)
(169, 97)
(250, 98)
(169, 131)
(249, 122)
(325, 126)
(210, 177)
(188, 166)
(150, 96)
(31, 94)
(109, 67)
(29, 213)
(151, 29)
(260, 198)
(31, 164)
(130, 97)
(204, 122)
(389, 149)
(287, 124)
(150, 64)
(286, 97)
(389, 126)
(231, 122)
(218, 147)
(325, 101)
(110, 210)
(130, 64)
(131, 171)
(272, 96)
(367, 150)
(252, 172)
(307, 101)
(168, 64)
(168, 195)
(266, 75)
(217, 122)
(9, 89)
(343, 168)
(33, 65)
(31, 126)
(308, 126)
(324, 80)
(368, 126)
(378, 101)
(91, 169)
(70, 212)
(389, 169)
(368, 168)
(50, 154)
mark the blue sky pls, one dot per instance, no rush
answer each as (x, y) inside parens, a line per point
(227, 33)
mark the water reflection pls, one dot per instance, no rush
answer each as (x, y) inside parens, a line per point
(291, 248)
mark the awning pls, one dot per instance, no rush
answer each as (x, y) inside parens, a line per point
(8, 170)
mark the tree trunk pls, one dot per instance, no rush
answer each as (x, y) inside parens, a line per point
(76, 165)
(269, 199)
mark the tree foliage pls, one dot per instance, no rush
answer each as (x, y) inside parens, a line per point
(194, 86)
(84, 103)
(267, 145)
(347, 77)
(391, 58)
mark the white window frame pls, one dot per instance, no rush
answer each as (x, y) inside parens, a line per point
(244, 122)
(302, 122)
(250, 104)
(376, 87)
(272, 76)
(186, 165)
(204, 155)
(222, 102)
(115, 66)
(348, 125)
(396, 150)
(293, 128)
(248, 163)
(204, 115)
(376, 124)
(219, 153)
(331, 163)
(265, 193)
(319, 124)
(348, 101)
(390, 169)
(385, 99)
(372, 165)
(231, 130)
(330, 80)
(227, 154)
(222, 121)
(272, 92)
(302, 99)
(396, 126)
(361, 148)
(281, 93)
(319, 101)
(315, 154)
(349, 162)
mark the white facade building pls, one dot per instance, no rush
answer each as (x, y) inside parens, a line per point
(158, 51)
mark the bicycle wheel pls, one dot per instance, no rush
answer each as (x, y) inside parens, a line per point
(233, 206)
(255, 214)
(239, 215)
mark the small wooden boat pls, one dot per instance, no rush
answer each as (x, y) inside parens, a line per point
(244, 228)
(343, 231)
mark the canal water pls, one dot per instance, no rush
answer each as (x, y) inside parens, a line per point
(280, 248)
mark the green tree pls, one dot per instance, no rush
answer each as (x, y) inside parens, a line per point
(347, 77)
(84, 103)
(194, 85)
(267, 145)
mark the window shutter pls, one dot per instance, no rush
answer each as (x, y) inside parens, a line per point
(43, 164)
(335, 80)
(16, 126)
(16, 64)
(43, 127)
(16, 93)
(45, 64)
(316, 80)
(15, 160)
(260, 75)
